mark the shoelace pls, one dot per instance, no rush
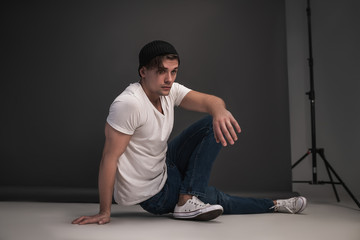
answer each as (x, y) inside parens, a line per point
(285, 204)
(196, 203)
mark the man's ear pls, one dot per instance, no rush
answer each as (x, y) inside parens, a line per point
(142, 72)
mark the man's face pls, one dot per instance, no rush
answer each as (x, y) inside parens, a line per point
(158, 81)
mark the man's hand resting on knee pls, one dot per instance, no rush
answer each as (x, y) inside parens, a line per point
(225, 125)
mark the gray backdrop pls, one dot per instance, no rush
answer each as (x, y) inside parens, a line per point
(64, 62)
(336, 52)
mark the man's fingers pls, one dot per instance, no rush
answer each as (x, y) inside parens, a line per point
(221, 130)
(89, 220)
(218, 134)
(232, 131)
(236, 125)
(225, 131)
(76, 221)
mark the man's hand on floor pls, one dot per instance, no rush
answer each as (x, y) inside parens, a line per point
(100, 218)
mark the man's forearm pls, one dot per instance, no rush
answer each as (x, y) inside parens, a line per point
(214, 104)
(201, 102)
(107, 174)
(115, 145)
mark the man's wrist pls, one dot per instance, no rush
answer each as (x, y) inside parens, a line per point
(105, 212)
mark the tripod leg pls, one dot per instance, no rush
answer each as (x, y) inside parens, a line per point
(322, 155)
(302, 158)
(332, 183)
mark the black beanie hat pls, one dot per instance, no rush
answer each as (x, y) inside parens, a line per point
(154, 49)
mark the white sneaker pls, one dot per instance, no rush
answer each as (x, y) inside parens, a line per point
(292, 205)
(197, 210)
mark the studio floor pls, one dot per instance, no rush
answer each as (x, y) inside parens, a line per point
(324, 218)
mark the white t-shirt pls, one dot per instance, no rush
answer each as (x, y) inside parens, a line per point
(141, 171)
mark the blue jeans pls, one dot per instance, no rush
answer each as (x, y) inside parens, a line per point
(189, 160)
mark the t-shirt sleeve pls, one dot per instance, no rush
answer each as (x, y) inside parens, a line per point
(179, 92)
(124, 116)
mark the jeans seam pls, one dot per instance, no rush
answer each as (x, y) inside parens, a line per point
(191, 192)
(196, 158)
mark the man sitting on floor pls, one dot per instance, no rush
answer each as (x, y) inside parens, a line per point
(139, 166)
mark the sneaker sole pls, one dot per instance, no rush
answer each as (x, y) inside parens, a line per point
(205, 214)
(209, 215)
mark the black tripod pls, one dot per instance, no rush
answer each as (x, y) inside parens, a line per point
(314, 150)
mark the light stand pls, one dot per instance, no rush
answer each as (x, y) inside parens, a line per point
(314, 150)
